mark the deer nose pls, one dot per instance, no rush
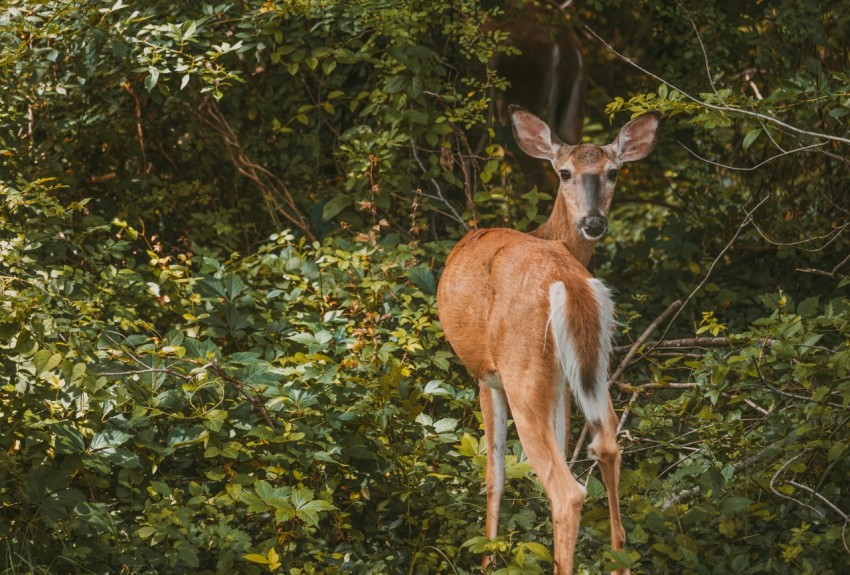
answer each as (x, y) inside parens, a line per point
(592, 227)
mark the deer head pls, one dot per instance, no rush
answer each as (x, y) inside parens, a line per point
(588, 173)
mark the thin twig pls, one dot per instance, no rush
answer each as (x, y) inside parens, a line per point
(802, 397)
(256, 403)
(756, 406)
(673, 307)
(757, 166)
(683, 343)
(783, 495)
(826, 501)
(621, 368)
(275, 193)
(166, 370)
(834, 273)
(579, 444)
(437, 187)
(688, 494)
(657, 385)
(830, 237)
(723, 108)
(140, 134)
(747, 219)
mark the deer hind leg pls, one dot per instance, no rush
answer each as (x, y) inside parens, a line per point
(494, 408)
(605, 450)
(537, 425)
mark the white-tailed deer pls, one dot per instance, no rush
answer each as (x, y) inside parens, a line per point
(534, 327)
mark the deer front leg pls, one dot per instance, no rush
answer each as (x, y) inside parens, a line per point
(605, 450)
(494, 409)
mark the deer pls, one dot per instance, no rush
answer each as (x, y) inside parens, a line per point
(534, 327)
(547, 77)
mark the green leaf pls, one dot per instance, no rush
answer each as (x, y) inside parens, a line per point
(152, 78)
(45, 360)
(256, 558)
(751, 137)
(469, 446)
(808, 307)
(539, 550)
(396, 84)
(306, 508)
(185, 436)
(595, 488)
(434, 387)
(67, 439)
(445, 425)
(734, 504)
(108, 438)
(234, 286)
(423, 278)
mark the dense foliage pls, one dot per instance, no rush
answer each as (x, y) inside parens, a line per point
(221, 231)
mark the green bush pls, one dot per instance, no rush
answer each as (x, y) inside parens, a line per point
(186, 387)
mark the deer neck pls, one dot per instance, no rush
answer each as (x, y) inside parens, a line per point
(560, 227)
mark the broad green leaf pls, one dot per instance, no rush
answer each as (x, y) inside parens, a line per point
(334, 206)
(751, 137)
(185, 436)
(67, 439)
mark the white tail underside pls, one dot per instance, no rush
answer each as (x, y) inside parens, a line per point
(594, 402)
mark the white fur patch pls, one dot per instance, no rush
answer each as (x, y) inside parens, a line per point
(500, 432)
(493, 381)
(594, 404)
(606, 331)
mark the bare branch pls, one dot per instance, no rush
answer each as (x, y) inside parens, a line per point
(673, 307)
(834, 273)
(683, 343)
(756, 406)
(657, 385)
(437, 187)
(757, 166)
(800, 397)
(826, 501)
(747, 219)
(276, 195)
(785, 496)
(723, 108)
(166, 370)
(619, 372)
(830, 237)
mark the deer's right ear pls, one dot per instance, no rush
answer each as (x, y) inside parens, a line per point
(532, 134)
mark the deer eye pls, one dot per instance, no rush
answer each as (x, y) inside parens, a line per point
(612, 175)
(565, 175)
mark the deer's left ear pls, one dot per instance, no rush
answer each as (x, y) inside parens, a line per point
(637, 138)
